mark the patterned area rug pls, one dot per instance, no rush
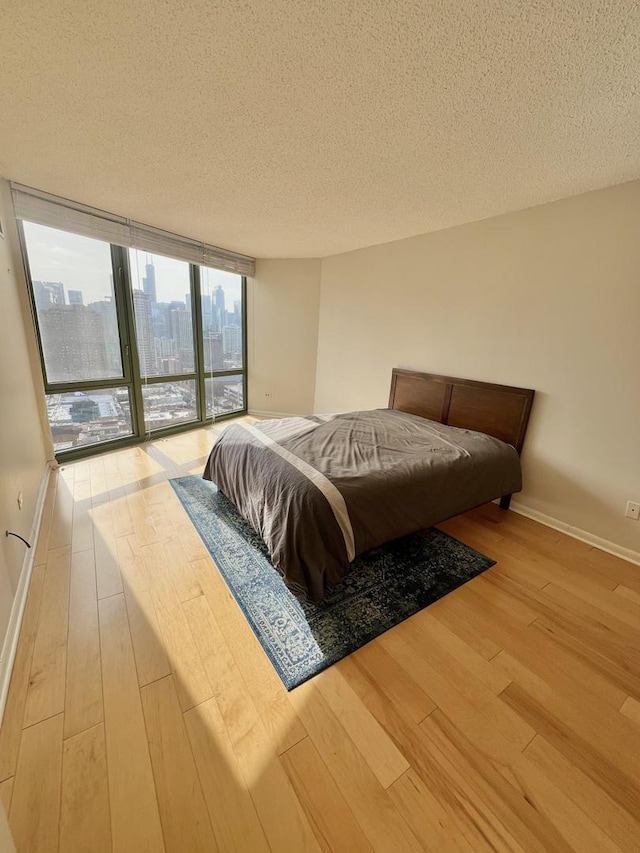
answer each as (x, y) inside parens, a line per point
(384, 586)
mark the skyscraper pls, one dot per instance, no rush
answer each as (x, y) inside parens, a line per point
(232, 337)
(213, 351)
(73, 341)
(218, 309)
(144, 333)
(149, 282)
(182, 334)
(206, 311)
(107, 310)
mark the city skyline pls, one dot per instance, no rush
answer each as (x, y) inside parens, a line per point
(83, 263)
(75, 302)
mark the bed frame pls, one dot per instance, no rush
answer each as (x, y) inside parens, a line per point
(498, 410)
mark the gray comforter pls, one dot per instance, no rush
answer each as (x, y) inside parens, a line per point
(321, 490)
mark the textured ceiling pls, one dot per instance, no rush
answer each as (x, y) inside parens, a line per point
(307, 128)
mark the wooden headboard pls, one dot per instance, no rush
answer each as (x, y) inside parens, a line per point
(498, 410)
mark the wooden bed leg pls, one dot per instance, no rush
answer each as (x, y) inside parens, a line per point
(505, 500)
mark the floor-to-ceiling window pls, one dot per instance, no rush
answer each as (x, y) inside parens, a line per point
(83, 337)
(132, 342)
(222, 304)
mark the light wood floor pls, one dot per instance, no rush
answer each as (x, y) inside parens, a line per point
(144, 716)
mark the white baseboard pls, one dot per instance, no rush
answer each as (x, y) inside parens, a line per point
(577, 533)
(259, 413)
(10, 645)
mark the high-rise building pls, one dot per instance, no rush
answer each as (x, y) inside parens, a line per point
(207, 318)
(232, 340)
(218, 309)
(144, 333)
(107, 310)
(149, 282)
(47, 294)
(75, 297)
(182, 334)
(160, 320)
(213, 351)
(73, 341)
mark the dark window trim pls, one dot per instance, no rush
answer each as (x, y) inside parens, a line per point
(131, 378)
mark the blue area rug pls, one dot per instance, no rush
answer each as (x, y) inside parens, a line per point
(383, 587)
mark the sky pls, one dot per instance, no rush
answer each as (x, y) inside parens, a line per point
(82, 263)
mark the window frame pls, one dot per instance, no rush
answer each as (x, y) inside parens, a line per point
(131, 375)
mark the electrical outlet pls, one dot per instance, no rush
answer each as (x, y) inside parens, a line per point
(633, 510)
(267, 393)
(19, 500)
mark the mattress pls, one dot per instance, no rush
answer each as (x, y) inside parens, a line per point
(320, 490)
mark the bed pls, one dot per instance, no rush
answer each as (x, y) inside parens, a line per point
(322, 489)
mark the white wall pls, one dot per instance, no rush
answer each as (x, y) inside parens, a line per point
(546, 298)
(282, 328)
(23, 447)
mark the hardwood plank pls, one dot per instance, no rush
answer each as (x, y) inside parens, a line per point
(612, 567)
(631, 709)
(84, 810)
(82, 471)
(6, 792)
(184, 816)
(61, 530)
(11, 730)
(554, 602)
(145, 531)
(456, 691)
(564, 661)
(152, 662)
(109, 581)
(235, 822)
(83, 694)
(332, 820)
(452, 613)
(98, 480)
(614, 605)
(435, 632)
(526, 573)
(499, 589)
(374, 810)
(440, 803)
(509, 523)
(552, 802)
(510, 820)
(135, 821)
(573, 673)
(629, 594)
(35, 804)
(184, 575)
(606, 751)
(191, 680)
(387, 675)
(433, 824)
(45, 694)
(614, 662)
(120, 515)
(589, 796)
(262, 683)
(373, 743)
(399, 727)
(82, 524)
(281, 815)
